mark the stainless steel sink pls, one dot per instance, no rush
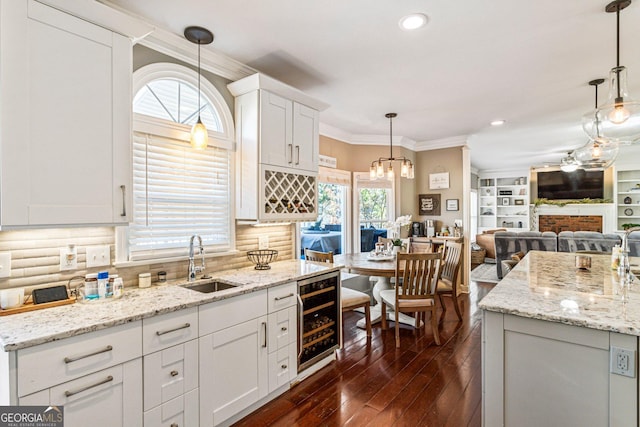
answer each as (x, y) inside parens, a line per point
(208, 287)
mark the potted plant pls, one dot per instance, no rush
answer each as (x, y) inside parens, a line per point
(398, 246)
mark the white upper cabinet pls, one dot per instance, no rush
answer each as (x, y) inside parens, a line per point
(288, 133)
(277, 150)
(65, 122)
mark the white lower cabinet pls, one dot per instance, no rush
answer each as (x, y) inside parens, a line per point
(97, 377)
(170, 347)
(179, 412)
(247, 350)
(233, 370)
(283, 335)
(108, 398)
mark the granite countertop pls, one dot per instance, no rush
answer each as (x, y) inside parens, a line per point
(40, 326)
(547, 286)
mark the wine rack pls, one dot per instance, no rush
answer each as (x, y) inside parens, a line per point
(320, 321)
(289, 195)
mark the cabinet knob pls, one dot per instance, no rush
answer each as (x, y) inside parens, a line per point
(283, 366)
(174, 373)
(284, 328)
(174, 425)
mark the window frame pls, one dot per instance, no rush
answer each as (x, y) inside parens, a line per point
(224, 139)
(360, 180)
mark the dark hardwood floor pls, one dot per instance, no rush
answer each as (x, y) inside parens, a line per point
(374, 384)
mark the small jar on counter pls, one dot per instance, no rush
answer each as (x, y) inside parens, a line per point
(144, 280)
(91, 286)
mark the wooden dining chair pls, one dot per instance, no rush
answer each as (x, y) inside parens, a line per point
(350, 299)
(448, 280)
(417, 275)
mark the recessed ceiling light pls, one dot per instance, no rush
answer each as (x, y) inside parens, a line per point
(413, 21)
(498, 122)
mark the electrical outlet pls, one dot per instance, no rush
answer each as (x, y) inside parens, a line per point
(5, 264)
(263, 242)
(69, 258)
(98, 256)
(623, 361)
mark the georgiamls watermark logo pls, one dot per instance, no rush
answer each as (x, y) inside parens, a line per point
(31, 416)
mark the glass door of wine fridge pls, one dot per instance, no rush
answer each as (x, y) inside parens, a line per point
(319, 323)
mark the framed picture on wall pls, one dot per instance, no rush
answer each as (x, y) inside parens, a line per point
(429, 204)
(438, 180)
(452, 204)
(505, 201)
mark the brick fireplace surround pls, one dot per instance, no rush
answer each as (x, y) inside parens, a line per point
(558, 223)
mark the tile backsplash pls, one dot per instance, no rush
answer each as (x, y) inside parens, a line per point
(35, 254)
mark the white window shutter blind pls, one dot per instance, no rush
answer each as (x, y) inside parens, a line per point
(178, 192)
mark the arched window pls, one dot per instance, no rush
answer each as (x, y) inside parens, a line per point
(178, 191)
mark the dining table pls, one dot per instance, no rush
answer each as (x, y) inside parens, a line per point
(381, 267)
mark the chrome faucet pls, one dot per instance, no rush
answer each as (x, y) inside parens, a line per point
(193, 270)
(624, 268)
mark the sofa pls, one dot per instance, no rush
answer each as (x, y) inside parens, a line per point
(507, 243)
(575, 241)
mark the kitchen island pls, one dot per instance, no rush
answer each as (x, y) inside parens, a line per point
(552, 334)
(165, 355)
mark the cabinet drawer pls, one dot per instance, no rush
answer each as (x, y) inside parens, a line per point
(164, 331)
(283, 328)
(170, 373)
(283, 367)
(282, 296)
(56, 362)
(179, 412)
(231, 311)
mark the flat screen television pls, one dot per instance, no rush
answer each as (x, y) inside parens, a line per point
(580, 184)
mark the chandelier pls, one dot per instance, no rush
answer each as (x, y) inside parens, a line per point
(377, 166)
(618, 119)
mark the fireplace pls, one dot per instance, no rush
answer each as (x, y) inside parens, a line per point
(558, 223)
(599, 217)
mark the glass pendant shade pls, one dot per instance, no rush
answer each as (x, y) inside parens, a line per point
(199, 36)
(199, 136)
(596, 155)
(380, 170)
(569, 164)
(618, 119)
(390, 173)
(372, 172)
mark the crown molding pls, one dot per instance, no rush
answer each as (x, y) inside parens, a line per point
(437, 144)
(104, 15)
(401, 141)
(176, 46)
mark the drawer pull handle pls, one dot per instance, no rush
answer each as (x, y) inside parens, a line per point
(185, 326)
(284, 328)
(283, 366)
(80, 390)
(174, 373)
(284, 297)
(84, 356)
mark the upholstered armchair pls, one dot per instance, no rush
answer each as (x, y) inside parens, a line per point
(508, 243)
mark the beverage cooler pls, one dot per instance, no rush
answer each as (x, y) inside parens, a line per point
(320, 318)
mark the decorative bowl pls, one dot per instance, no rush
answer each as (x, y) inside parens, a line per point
(262, 257)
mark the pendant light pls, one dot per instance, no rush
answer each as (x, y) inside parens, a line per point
(599, 153)
(618, 119)
(199, 35)
(569, 163)
(377, 166)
